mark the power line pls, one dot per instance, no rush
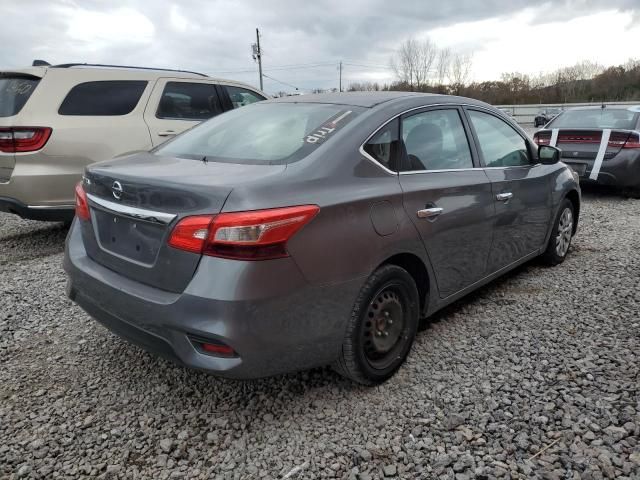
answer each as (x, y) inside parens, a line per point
(279, 81)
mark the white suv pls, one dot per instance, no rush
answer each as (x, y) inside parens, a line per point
(55, 120)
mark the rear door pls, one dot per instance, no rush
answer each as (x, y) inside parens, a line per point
(446, 195)
(520, 186)
(177, 104)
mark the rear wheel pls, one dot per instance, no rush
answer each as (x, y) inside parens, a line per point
(381, 328)
(561, 235)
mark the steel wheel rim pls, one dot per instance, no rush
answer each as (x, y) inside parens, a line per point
(384, 327)
(565, 231)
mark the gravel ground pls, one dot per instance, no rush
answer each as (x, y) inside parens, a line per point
(534, 376)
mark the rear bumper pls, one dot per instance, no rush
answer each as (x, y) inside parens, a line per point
(276, 325)
(623, 170)
(45, 213)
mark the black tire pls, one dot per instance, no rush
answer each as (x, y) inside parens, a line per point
(556, 253)
(382, 327)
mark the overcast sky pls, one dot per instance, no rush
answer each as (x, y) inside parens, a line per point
(304, 41)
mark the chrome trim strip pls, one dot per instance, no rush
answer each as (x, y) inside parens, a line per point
(133, 212)
(452, 105)
(47, 207)
(413, 172)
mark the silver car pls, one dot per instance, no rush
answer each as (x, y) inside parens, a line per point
(311, 231)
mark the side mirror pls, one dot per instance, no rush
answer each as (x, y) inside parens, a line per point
(548, 155)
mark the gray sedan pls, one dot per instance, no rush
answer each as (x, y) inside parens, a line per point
(311, 231)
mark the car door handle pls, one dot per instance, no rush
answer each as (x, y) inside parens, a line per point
(504, 197)
(167, 133)
(429, 212)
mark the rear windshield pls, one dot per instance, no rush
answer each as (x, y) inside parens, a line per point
(596, 118)
(262, 133)
(14, 93)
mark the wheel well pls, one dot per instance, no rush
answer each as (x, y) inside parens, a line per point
(574, 198)
(414, 265)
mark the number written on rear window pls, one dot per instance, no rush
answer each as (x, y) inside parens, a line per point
(103, 98)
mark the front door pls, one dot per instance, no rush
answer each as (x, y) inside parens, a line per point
(448, 198)
(521, 190)
(177, 104)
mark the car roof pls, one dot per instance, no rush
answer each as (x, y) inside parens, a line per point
(373, 99)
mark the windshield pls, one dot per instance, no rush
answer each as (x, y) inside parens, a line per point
(14, 93)
(262, 133)
(596, 118)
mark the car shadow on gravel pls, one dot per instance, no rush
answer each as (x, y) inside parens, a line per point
(32, 244)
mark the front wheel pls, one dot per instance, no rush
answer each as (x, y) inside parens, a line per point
(561, 235)
(382, 327)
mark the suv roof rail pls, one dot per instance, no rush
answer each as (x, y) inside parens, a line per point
(69, 65)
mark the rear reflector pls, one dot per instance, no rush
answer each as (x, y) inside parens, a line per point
(23, 139)
(82, 205)
(213, 347)
(253, 235)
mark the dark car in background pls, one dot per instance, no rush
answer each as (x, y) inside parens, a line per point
(545, 116)
(602, 144)
(316, 230)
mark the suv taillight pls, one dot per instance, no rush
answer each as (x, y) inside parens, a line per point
(82, 205)
(252, 235)
(23, 139)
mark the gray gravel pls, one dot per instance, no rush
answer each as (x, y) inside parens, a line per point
(535, 376)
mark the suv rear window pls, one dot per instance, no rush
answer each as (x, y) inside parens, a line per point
(103, 98)
(14, 93)
(262, 133)
(596, 118)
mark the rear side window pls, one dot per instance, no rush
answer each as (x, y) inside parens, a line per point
(14, 93)
(241, 96)
(501, 145)
(435, 140)
(384, 146)
(189, 101)
(103, 98)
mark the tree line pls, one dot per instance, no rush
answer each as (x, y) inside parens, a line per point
(420, 66)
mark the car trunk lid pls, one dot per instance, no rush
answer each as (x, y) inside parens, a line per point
(136, 201)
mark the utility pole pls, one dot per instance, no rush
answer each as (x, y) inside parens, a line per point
(340, 75)
(257, 55)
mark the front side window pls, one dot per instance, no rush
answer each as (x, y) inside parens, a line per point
(14, 93)
(435, 140)
(500, 144)
(241, 96)
(189, 101)
(262, 134)
(103, 98)
(384, 146)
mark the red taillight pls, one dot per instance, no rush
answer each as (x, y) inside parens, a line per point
(633, 141)
(253, 235)
(82, 206)
(542, 138)
(23, 139)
